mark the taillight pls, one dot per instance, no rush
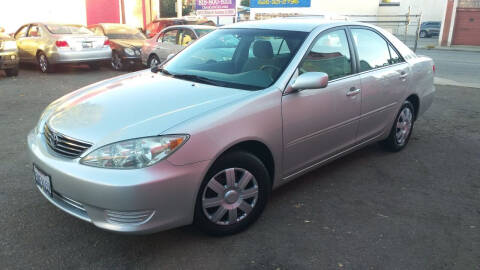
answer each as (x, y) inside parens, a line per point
(433, 68)
(106, 43)
(61, 43)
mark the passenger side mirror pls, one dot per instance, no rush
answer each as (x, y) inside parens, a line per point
(310, 80)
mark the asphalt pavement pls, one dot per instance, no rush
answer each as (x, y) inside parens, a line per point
(416, 209)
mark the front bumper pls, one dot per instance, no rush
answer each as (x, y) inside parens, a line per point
(130, 201)
(70, 56)
(8, 59)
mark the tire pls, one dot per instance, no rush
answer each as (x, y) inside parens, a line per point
(11, 72)
(402, 128)
(153, 60)
(94, 66)
(423, 34)
(43, 63)
(116, 62)
(233, 207)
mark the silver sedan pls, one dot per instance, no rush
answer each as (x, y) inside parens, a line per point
(50, 44)
(204, 138)
(171, 40)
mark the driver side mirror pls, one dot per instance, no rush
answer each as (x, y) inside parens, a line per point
(310, 80)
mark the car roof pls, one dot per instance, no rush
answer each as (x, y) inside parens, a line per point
(306, 24)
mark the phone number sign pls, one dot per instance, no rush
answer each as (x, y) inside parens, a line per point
(216, 7)
(279, 3)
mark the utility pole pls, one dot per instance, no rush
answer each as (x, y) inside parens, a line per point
(179, 8)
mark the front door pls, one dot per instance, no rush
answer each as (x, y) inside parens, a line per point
(167, 44)
(318, 123)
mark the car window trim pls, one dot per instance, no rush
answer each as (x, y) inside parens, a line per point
(30, 27)
(350, 27)
(352, 56)
(20, 29)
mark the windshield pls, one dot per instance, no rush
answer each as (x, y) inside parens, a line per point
(68, 29)
(249, 59)
(203, 32)
(123, 32)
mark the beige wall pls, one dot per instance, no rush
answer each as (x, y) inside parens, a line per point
(14, 14)
(432, 10)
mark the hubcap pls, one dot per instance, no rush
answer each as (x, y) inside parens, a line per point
(43, 62)
(116, 62)
(153, 62)
(404, 125)
(230, 196)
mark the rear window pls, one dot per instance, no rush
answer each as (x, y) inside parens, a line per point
(67, 29)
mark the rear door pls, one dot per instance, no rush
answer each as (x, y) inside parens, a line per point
(318, 123)
(384, 75)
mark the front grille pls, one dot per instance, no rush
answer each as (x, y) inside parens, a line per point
(65, 145)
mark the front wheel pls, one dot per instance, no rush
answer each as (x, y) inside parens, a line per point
(401, 129)
(232, 195)
(117, 63)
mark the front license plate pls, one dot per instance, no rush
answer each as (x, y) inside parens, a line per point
(42, 180)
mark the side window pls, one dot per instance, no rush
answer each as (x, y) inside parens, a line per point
(329, 54)
(34, 31)
(22, 32)
(394, 57)
(170, 36)
(372, 49)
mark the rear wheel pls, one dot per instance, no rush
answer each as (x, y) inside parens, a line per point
(153, 61)
(11, 72)
(43, 63)
(401, 129)
(232, 195)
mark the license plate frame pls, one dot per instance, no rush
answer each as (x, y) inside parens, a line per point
(87, 44)
(42, 180)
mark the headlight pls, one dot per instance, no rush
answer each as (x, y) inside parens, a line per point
(129, 51)
(136, 153)
(9, 45)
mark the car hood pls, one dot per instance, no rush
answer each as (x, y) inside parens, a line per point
(128, 42)
(134, 105)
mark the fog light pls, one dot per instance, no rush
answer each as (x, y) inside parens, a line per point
(128, 217)
(13, 57)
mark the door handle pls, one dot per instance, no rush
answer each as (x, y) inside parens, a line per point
(353, 91)
(403, 75)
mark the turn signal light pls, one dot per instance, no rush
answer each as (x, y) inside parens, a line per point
(61, 43)
(106, 43)
(433, 68)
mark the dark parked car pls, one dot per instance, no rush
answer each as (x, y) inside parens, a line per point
(126, 43)
(429, 29)
(8, 54)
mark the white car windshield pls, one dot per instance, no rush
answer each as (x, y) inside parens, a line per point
(250, 59)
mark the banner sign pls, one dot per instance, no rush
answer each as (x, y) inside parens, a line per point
(215, 7)
(279, 3)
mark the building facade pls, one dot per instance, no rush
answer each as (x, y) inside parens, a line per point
(461, 23)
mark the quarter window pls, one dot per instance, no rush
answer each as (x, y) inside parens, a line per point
(329, 54)
(372, 49)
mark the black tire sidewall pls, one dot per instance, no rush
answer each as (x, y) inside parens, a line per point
(237, 159)
(122, 66)
(151, 58)
(49, 67)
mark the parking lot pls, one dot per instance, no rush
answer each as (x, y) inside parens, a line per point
(416, 209)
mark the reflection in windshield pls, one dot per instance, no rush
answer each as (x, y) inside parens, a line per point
(239, 58)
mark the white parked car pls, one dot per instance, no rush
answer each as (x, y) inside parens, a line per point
(171, 40)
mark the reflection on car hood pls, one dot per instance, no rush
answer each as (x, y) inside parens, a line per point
(135, 105)
(137, 43)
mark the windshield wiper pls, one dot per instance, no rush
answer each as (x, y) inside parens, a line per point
(160, 68)
(199, 79)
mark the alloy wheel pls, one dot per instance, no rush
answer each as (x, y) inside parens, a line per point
(43, 63)
(116, 62)
(154, 62)
(404, 125)
(230, 196)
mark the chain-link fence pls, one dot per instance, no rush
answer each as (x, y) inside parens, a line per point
(406, 27)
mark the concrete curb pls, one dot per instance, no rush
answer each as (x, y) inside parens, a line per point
(475, 50)
(443, 81)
